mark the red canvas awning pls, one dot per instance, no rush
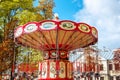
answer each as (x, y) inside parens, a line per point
(51, 35)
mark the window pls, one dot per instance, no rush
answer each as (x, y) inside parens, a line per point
(101, 78)
(91, 78)
(117, 66)
(101, 67)
(78, 68)
(111, 77)
(117, 77)
(110, 67)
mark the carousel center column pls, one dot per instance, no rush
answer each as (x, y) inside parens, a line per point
(55, 69)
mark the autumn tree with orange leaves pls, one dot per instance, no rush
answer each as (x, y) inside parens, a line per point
(12, 14)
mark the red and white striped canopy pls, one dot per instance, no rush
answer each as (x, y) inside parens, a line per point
(51, 35)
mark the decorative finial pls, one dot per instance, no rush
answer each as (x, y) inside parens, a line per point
(56, 18)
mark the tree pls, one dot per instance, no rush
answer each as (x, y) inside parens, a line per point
(45, 7)
(30, 54)
(7, 47)
(23, 11)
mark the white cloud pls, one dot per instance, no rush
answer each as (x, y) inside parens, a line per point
(105, 16)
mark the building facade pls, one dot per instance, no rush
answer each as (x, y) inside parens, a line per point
(103, 69)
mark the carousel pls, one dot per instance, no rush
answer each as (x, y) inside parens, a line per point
(56, 39)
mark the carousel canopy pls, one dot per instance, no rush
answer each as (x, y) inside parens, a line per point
(51, 35)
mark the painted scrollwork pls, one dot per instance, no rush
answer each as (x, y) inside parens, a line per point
(53, 71)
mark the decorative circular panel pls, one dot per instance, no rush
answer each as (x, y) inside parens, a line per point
(18, 32)
(94, 32)
(53, 54)
(46, 55)
(84, 28)
(30, 28)
(67, 25)
(63, 54)
(48, 25)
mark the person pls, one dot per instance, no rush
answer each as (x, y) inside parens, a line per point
(24, 76)
(16, 78)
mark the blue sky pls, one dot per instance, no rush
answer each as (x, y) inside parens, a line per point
(67, 8)
(102, 14)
